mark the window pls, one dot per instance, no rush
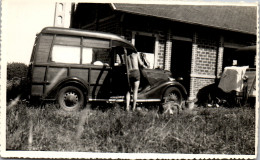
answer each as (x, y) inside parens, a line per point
(146, 45)
(96, 56)
(87, 55)
(59, 20)
(102, 55)
(118, 53)
(66, 54)
(60, 7)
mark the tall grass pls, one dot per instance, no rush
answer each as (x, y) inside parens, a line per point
(203, 130)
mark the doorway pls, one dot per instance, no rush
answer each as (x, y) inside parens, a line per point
(232, 57)
(181, 61)
(146, 45)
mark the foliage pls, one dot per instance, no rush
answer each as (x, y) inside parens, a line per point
(17, 82)
(16, 69)
(200, 131)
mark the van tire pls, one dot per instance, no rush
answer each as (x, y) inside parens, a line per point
(70, 98)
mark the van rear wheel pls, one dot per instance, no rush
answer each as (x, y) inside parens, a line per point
(70, 98)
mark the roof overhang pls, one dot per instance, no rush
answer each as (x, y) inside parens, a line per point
(220, 17)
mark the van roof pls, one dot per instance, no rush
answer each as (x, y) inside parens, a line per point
(85, 33)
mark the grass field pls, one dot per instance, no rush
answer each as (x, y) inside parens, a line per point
(202, 130)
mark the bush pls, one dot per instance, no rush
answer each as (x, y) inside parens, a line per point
(17, 83)
(16, 69)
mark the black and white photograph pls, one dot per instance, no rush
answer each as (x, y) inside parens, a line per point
(129, 80)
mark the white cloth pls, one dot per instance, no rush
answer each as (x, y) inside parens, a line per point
(232, 79)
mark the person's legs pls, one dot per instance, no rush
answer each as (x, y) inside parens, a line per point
(128, 97)
(136, 86)
(134, 78)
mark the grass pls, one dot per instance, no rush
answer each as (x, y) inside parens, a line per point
(202, 130)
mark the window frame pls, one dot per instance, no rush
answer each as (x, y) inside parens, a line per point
(81, 45)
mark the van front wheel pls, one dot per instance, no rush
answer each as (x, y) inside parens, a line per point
(70, 98)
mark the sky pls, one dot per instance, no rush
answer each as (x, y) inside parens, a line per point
(23, 19)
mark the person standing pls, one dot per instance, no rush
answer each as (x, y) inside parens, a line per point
(133, 63)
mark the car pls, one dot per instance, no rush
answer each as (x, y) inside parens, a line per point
(74, 67)
(248, 92)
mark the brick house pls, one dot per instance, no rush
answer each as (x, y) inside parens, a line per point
(193, 41)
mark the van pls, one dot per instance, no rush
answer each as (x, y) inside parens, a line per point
(74, 67)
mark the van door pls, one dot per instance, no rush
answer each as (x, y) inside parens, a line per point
(119, 81)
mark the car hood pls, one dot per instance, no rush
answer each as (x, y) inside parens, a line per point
(155, 76)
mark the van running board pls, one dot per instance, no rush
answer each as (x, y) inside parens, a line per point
(123, 100)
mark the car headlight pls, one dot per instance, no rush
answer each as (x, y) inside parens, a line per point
(171, 79)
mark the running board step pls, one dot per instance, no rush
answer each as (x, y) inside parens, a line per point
(122, 100)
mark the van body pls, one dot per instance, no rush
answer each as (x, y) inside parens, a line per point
(74, 67)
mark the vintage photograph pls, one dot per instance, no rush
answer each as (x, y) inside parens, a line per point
(128, 80)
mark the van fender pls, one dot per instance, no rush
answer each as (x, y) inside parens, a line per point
(69, 81)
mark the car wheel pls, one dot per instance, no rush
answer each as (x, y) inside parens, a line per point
(172, 101)
(173, 94)
(70, 98)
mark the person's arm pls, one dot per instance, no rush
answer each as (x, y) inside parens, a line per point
(141, 63)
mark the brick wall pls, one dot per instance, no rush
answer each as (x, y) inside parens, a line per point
(160, 57)
(110, 25)
(206, 56)
(200, 83)
(204, 62)
(168, 50)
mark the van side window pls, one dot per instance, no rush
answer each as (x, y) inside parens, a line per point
(66, 54)
(87, 54)
(101, 55)
(96, 56)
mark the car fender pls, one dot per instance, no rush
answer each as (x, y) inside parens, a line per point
(177, 85)
(73, 81)
(158, 91)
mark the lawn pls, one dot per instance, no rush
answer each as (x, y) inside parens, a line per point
(200, 131)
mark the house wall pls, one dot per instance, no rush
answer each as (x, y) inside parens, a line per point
(207, 46)
(160, 57)
(62, 14)
(109, 24)
(152, 27)
(204, 63)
